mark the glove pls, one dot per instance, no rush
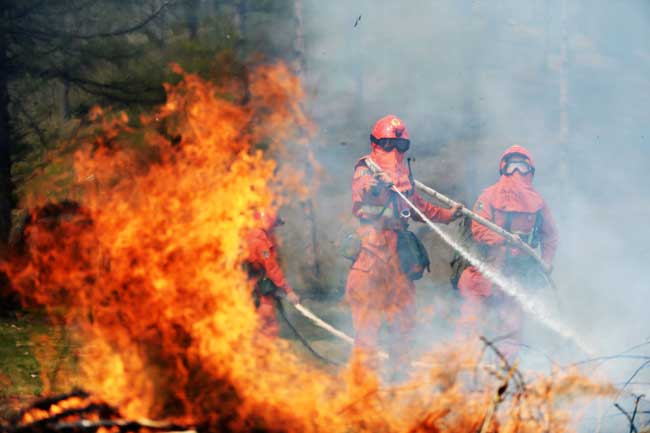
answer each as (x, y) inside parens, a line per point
(293, 298)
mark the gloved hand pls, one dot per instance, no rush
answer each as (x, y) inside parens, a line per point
(549, 267)
(293, 298)
(384, 178)
(456, 211)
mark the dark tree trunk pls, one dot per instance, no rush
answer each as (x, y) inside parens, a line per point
(64, 102)
(240, 10)
(299, 41)
(64, 107)
(6, 186)
(192, 17)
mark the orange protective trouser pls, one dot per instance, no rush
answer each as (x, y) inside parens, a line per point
(268, 321)
(382, 292)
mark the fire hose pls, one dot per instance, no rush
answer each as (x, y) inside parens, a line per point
(321, 324)
(513, 239)
(340, 334)
(301, 338)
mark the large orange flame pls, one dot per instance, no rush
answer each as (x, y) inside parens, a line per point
(147, 272)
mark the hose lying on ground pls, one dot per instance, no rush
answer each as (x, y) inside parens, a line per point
(298, 335)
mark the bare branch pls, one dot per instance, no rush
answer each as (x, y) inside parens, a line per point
(32, 122)
(637, 371)
(629, 418)
(636, 408)
(50, 33)
(517, 374)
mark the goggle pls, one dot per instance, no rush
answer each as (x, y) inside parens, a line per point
(388, 144)
(522, 167)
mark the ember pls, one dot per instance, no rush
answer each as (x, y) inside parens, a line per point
(79, 412)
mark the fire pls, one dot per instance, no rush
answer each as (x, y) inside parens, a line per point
(146, 271)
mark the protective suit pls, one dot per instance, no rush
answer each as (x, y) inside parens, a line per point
(263, 267)
(514, 204)
(377, 288)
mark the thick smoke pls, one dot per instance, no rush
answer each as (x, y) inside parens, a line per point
(567, 79)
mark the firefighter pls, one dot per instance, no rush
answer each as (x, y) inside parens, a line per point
(379, 285)
(263, 267)
(514, 204)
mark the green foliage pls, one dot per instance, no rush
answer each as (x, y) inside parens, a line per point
(31, 351)
(72, 55)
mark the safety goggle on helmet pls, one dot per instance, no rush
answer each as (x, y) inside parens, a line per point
(390, 133)
(522, 166)
(388, 144)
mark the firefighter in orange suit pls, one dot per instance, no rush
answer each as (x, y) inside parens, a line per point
(378, 287)
(263, 267)
(514, 204)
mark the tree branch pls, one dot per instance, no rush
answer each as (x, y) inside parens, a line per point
(629, 418)
(32, 123)
(50, 33)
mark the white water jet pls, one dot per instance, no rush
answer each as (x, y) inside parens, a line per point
(536, 308)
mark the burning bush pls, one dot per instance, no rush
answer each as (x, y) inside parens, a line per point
(148, 276)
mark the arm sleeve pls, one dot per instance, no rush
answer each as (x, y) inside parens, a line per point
(363, 191)
(434, 213)
(548, 236)
(266, 256)
(482, 234)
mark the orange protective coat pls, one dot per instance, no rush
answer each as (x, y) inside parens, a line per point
(513, 195)
(263, 258)
(376, 286)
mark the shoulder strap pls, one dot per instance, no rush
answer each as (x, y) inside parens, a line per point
(393, 201)
(508, 225)
(539, 220)
(361, 162)
(408, 162)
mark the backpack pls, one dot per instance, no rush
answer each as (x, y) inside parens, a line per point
(413, 256)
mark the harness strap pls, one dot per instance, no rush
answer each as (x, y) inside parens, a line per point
(508, 226)
(411, 179)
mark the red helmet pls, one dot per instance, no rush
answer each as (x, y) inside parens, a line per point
(515, 150)
(390, 132)
(390, 127)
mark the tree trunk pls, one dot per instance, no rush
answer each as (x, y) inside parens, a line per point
(471, 120)
(299, 41)
(6, 186)
(239, 25)
(64, 102)
(563, 102)
(192, 17)
(300, 69)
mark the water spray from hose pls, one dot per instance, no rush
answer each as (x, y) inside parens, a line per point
(534, 307)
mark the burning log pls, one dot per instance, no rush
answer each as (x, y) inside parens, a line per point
(79, 412)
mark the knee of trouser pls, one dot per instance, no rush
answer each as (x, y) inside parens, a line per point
(266, 309)
(270, 329)
(401, 321)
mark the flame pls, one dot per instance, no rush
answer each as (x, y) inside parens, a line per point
(146, 271)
